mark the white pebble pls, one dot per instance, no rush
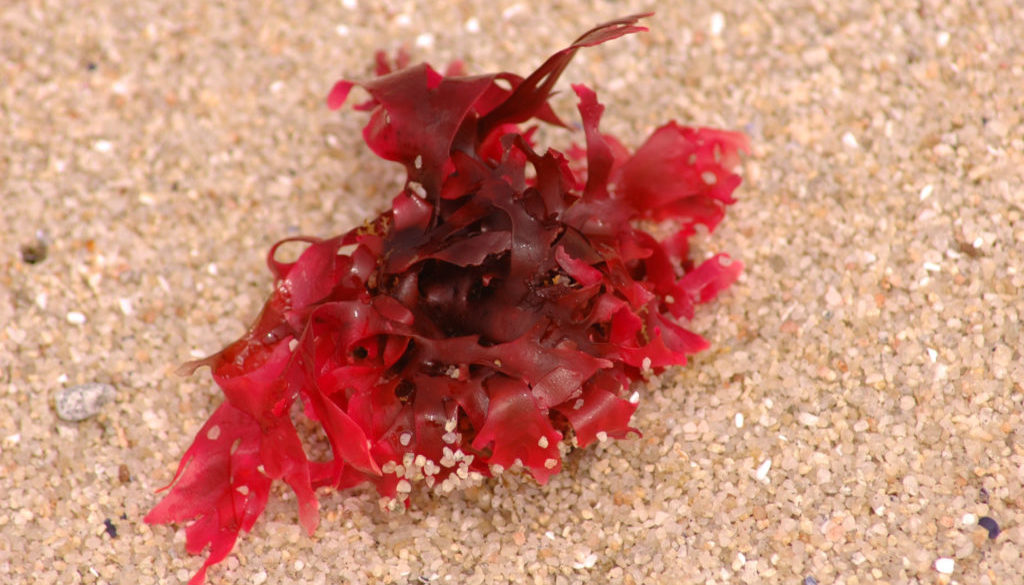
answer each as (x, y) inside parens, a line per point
(762, 470)
(945, 565)
(586, 562)
(832, 297)
(850, 140)
(425, 41)
(717, 23)
(739, 420)
(807, 419)
(80, 402)
(75, 317)
(513, 11)
(418, 189)
(126, 306)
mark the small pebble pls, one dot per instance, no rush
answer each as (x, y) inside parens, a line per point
(76, 318)
(945, 565)
(425, 41)
(807, 419)
(832, 297)
(80, 402)
(34, 252)
(809, 580)
(717, 24)
(989, 523)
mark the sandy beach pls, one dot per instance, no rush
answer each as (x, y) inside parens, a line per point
(858, 419)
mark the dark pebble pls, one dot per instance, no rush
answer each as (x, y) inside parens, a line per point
(124, 475)
(989, 524)
(34, 252)
(809, 580)
(110, 528)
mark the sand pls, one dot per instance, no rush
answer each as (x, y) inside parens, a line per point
(860, 409)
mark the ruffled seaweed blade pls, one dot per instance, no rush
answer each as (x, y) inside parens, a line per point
(504, 304)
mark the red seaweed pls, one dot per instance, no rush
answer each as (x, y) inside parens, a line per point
(498, 313)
